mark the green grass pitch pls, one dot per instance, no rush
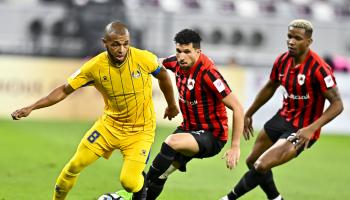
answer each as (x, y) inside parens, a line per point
(34, 152)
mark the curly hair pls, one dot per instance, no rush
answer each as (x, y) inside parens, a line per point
(187, 36)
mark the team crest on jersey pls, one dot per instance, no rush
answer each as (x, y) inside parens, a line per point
(190, 84)
(136, 73)
(301, 79)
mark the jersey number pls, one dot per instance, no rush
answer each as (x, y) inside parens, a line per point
(94, 135)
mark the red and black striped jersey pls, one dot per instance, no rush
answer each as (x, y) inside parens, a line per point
(303, 87)
(201, 89)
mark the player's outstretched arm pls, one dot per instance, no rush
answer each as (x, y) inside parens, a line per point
(261, 98)
(54, 97)
(233, 154)
(167, 88)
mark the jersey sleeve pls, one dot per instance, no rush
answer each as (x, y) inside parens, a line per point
(216, 83)
(325, 78)
(82, 77)
(274, 72)
(170, 63)
(151, 62)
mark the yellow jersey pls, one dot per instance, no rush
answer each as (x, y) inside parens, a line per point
(126, 88)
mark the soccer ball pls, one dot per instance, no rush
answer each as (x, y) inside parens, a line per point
(111, 196)
(120, 195)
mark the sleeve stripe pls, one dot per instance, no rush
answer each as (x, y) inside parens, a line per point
(213, 78)
(323, 72)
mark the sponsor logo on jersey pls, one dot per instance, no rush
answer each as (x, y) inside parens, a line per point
(187, 102)
(293, 96)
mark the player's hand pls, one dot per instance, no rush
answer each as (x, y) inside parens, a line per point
(23, 112)
(304, 135)
(232, 157)
(248, 130)
(171, 112)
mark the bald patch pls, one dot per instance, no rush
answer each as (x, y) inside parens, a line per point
(117, 28)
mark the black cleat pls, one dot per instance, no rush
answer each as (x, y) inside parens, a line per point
(142, 194)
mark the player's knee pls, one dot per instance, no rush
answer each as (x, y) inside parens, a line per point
(75, 167)
(172, 141)
(130, 183)
(261, 167)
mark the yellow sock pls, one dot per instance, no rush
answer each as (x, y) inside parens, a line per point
(64, 183)
(69, 175)
(131, 177)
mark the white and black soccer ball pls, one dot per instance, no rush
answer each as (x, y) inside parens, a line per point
(110, 196)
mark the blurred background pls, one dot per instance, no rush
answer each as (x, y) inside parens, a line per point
(247, 32)
(42, 42)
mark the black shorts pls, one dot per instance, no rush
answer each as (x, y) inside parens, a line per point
(278, 128)
(208, 146)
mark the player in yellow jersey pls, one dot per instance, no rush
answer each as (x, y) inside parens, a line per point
(122, 74)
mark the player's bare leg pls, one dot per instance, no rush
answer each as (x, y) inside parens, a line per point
(262, 143)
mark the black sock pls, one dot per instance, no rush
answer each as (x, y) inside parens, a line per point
(154, 188)
(141, 195)
(232, 196)
(164, 158)
(269, 186)
(249, 181)
(160, 164)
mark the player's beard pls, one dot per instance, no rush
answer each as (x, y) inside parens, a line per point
(186, 67)
(113, 59)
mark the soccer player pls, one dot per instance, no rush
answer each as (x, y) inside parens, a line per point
(122, 74)
(307, 81)
(203, 95)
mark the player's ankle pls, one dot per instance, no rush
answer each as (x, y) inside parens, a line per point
(230, 196)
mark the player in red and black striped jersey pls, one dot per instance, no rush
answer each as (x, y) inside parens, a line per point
(200, 107)
(203, 95)
(307, 82)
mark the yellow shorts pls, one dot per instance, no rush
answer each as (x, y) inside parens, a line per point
(103, 139)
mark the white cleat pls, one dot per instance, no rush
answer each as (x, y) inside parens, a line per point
(224, 198)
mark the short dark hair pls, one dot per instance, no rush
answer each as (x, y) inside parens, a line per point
(187, 36)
